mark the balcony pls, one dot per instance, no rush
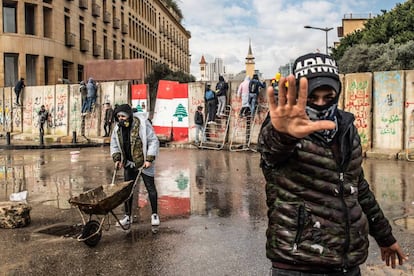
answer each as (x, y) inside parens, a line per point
(107, 17)
(96, 10)
(117, 23)
(107, 54)
(70, 39)
(97, 49)
(84, 45)
(124, 28)
(83, 4)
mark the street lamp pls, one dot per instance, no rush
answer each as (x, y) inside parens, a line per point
(326, 30)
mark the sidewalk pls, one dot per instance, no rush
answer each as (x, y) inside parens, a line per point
(32, 141)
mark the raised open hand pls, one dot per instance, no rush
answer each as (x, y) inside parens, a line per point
(288, 115)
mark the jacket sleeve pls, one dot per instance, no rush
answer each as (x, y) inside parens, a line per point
(379, 226)
(153, 143)
(275, 147)
(115, 149)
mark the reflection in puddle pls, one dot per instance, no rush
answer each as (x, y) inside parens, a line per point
(406, 223)
(189, 182)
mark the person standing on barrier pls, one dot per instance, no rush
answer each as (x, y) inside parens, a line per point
(254, 89)
(243, 92)
(135, 145)
(321, 209)
(211, 100)
(221, 91)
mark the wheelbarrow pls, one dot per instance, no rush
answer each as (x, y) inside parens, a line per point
(98, 203)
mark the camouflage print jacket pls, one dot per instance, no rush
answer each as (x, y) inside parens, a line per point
(144, 143)
(321, 208)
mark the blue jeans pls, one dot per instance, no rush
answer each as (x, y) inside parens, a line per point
(87, 105)
(221, 105)
(197, 134)
(252, 102)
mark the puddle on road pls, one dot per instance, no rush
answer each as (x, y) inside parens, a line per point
(200, 183)
(62, 230)
(407, 223)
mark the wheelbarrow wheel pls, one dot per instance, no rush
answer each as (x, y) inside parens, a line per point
(90, 229)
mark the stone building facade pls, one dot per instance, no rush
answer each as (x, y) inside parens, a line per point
(51, 40)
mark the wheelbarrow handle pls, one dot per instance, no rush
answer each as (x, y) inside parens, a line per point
(113, 176)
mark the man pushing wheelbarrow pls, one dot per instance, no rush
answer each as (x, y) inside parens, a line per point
(135, 145)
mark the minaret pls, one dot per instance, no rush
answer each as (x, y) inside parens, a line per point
(203, 65)
(250, 62)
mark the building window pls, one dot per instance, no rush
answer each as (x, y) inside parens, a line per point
(10, 69)
(31, 62)
(9, 18)
(47, 22)
(66, 69)
(30, 16)
(80, 72)
(48, 65)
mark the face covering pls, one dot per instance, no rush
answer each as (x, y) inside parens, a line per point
(325, 112)
(123, 123)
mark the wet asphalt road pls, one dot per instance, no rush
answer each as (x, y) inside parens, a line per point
(211, 204)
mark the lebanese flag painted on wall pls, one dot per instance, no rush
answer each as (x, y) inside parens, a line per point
(171, 111)
(139, 96)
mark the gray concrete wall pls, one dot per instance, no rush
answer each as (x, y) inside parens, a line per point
(63, 102)
(382, 102)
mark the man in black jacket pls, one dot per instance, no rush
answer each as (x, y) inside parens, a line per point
(199, 124)
(18, 88)
(321, 208)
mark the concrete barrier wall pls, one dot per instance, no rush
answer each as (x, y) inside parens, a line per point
(64, 104)
(409, 110)
(388, 110)
(382, 102)
(357, 90)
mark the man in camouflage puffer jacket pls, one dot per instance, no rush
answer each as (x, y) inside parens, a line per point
(321, 208)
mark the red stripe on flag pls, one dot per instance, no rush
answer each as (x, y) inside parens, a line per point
(139, 92)
(180, 134)
(166, 89)
(181, 90)
(164, 133)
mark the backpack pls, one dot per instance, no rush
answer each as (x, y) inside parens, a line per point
(209, 95)
(253, 86)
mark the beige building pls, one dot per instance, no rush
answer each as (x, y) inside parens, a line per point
(353, 22)
(47, 40)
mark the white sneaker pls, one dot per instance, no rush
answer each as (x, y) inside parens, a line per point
(124, 221)
(155, 220)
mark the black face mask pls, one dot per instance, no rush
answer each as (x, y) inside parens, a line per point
(123, 123)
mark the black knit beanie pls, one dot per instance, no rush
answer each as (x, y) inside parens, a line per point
(123, 108)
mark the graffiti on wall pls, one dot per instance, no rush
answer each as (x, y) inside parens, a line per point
(388, 102)
(358, 102)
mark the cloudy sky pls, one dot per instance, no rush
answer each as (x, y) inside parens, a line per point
(222, 28)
